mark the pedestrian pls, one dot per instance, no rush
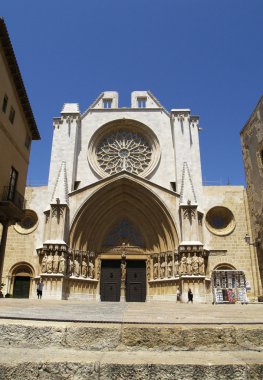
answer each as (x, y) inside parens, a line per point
(190, 296)
(178, 295)
(40, 289)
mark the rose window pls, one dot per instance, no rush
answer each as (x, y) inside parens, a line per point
(124, 150)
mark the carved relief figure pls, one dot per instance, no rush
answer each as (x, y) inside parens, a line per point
(176, 267)
(201, 263)
(189, 264)
(62, 262)
(49, 263)
(44, 264)
(155, 270)
(183, 264)
(91, 269)
(163, 269)
(195, 264)
(55, 262)
(170, 268)
(84, 268)
(76, 267)
(123, 270)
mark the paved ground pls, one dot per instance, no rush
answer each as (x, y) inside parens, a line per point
(151, 312)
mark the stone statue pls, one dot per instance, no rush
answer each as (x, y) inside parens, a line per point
(84, 268)
(49, 263)
(76, 267)
(183, 264)
(91, 269)
(61, 265)
(170, 268)
(98, 268)
(163, 269)
(123, 270)
(44, 264)
(55, 262)
(155, 270)
(201, 263)
(189, 264)
(176, 267)
(195, 264)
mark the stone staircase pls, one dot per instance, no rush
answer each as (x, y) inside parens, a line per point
(48, 350)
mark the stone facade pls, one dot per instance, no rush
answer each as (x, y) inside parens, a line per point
(17, 130)
(252, 149)
(125, 215)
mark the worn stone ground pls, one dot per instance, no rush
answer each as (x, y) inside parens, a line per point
(149, 312)
(77, 340)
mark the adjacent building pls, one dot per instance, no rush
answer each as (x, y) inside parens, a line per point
(252, 148)
(125, 215)
(17, 130)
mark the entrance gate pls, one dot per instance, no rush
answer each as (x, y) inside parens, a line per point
(110, 287)
(21, 287)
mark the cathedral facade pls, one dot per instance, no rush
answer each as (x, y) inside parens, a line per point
(125, 215)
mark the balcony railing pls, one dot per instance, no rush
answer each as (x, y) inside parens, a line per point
(9, 195)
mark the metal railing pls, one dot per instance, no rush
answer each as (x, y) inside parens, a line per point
(9, 195)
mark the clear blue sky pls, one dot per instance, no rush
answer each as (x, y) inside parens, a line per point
(206, 55)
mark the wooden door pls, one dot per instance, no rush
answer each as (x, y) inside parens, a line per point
(110, 281)
(136, 281)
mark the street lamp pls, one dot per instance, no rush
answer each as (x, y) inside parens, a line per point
(249, 242)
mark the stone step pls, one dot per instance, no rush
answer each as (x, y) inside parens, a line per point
(53, 364)
(130, 337)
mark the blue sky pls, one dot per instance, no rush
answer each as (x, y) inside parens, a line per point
(205, 55)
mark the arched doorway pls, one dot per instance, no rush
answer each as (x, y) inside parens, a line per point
(123, 214)
(21, 276)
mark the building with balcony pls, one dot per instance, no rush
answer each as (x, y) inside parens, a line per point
(125, 215)
(17, 130)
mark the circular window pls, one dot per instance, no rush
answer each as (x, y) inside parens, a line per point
(124, 145)
(28, 224)
(220, 220)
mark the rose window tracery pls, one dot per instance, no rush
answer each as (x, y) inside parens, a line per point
(124, 150)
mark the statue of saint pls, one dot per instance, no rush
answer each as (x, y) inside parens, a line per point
(163, 269)
(155, 270)
(91, 269)
(183, 265)
(170, 268)
(61, 265)
(201, 263)
(76, 267)
(84, 268)
(55, 262)
(44, 264)
(176, 267)
(49, 263)
(123, 270)
(70, 266)
(189, 264)
(195, 264)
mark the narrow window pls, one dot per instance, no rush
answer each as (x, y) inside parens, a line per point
(261, 156)
(27, 141)
(173, 186)
(142, 102)
(12, 184)
(12, 115)
(107, 103)
(4, 105)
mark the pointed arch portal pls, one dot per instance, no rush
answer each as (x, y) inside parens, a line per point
(126, 203)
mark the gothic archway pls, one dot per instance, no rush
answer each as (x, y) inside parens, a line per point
(123, 199)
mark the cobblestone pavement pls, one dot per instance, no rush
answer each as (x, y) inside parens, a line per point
(150, 312)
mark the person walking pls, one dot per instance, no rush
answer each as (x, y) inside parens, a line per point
(178, 295)
(190, 296)
(40, 289)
